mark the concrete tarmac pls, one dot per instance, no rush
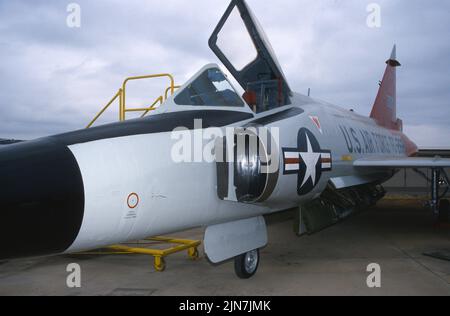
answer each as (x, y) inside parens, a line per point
(395, 234)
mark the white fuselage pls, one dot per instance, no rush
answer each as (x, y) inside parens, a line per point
(178, 196)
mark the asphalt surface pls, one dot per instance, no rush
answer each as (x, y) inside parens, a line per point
(394, 235)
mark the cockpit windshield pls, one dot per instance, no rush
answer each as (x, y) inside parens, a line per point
(210, 88)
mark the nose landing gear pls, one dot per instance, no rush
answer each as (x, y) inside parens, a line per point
(247, 264)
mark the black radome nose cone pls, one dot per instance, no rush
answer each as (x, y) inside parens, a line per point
(41, 199)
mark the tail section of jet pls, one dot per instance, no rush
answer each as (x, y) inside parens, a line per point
(384, 110)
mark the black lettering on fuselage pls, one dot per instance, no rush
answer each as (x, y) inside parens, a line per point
(362, 141)
(357, 142)
(347, 139)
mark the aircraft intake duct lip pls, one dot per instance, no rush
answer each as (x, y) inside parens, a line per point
(41, 198)
(249, 177)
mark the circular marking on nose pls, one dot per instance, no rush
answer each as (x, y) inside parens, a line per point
(133, 200)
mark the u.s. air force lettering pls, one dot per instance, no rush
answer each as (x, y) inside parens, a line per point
(307, 161)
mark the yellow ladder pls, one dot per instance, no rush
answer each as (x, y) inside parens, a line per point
(121, 95)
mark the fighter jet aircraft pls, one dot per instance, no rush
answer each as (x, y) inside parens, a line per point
(270, 150)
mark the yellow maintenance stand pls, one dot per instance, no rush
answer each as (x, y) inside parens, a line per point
(159, 255)
(176, 244)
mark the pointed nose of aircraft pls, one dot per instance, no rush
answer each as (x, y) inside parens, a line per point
(41, 199)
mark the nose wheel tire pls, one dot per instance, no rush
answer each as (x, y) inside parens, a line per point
(247, 264)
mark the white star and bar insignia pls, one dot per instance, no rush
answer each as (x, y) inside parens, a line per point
(308, 161)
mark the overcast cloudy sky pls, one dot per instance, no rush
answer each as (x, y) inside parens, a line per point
(54, 78)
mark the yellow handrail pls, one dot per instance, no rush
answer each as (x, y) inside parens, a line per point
(124, 88)
(121, 94)
(166, 94)
(118, 94)
(152, 107)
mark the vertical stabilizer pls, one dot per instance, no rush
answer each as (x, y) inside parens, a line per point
(385, 108)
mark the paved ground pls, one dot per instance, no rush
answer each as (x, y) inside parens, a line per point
(334, 261)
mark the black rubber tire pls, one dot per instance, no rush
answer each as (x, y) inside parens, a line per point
(239, 267)
(444, 211)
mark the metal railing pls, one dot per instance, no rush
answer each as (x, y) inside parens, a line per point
(166, 94)
(121, 95)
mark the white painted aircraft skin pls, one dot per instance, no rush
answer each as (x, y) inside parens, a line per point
(178, 196)
(172, 196)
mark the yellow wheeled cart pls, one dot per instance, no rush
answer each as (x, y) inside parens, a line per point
(178, 245)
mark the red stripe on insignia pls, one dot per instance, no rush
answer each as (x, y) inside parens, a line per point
(291, 160)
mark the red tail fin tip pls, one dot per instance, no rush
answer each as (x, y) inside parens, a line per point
(384, 110)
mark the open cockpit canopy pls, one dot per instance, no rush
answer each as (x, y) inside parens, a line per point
(241, 44)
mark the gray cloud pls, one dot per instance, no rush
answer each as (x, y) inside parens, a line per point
(54, 78)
